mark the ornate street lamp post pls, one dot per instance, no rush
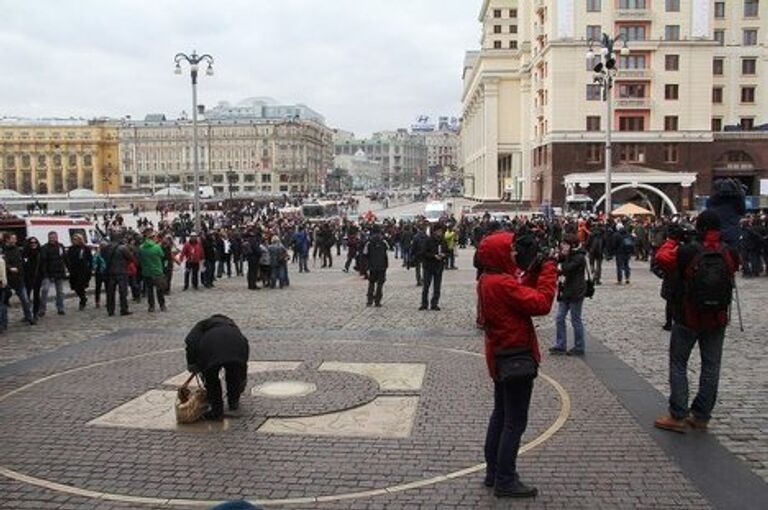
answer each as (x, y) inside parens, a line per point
(194, 61)
(605, 72)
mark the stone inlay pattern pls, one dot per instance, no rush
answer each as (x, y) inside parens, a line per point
(46, 431)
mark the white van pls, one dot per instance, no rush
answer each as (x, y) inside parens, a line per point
(435, 211)
(40, 226)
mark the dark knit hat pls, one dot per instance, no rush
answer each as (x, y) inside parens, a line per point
(707, 220)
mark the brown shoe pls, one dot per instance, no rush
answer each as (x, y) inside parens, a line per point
(667, 422)
(696, 423)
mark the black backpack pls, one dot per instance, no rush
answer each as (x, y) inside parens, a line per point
(710, 283)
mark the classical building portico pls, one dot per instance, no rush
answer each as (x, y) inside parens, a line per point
(664, 192)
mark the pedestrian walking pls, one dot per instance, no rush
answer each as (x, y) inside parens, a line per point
(152, 259)
(80, 264)
(375, 251)
(53, 267)
(572, 289)
(432, 257)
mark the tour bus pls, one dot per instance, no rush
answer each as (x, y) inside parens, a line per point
(320, 211)
(40, 226)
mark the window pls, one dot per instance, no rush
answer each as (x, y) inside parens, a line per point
(72, 160)
(631, 153)
(717, 95)
(632, 62)
(632, 32)
(87, 160)
(672, 32)
(717, 124)
(719, 10)
(671, 92)
(673, 5)
(748, 66)
(749, 37)
(672, 62)
(631, 91)
(41, 159)
(670, 123)
(57, 160)
(594, 32)
(720, 37)
(747, 123)
(497, 13)
(593, 92)
(593, 123)
(25, 160)
(497, 45)
(594, 153)
(513, 13)
(717, 66)
(496, 29)
(266, 178)
(632, 4)
(512, 29)
(751, 8)
(671, 153)
(593, 5)
(10, 161)
(631, 124)
(513, 45)
(748, 94)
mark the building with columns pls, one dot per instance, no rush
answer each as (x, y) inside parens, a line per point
(254, 146)
(58, 155)
(688, 100)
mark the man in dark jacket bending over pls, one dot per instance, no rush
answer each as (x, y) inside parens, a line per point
(213, 344)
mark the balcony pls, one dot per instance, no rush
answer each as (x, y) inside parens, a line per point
(636, 103)
(633, 14)
(633, 74)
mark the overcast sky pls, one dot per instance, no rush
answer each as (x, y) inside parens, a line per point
(366, 65)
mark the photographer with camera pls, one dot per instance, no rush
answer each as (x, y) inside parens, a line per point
(703, 279)
(571, 290)
(517, 283)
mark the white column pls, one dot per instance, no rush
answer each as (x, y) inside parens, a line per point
(490, 180)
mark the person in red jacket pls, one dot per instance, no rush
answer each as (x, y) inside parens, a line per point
(694, 324)
(192, 255)
(508, 298)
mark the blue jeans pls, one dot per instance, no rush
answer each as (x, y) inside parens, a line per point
(622, 267)
(26, 307)
(681, 344)
(509, 420)
(59, 284)
(561, 340)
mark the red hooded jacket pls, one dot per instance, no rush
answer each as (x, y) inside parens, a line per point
(676, 259)
(508, 299)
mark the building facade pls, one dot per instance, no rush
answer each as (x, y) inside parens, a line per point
(252, 147)
(443, 144)
(686, 99)
(58, 155)
(365, 174)
(402, 155)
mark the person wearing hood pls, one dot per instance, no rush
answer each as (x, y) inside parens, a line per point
(375, 251)
(700, 304)
(570, 296)
(213, 344)
(512, 288)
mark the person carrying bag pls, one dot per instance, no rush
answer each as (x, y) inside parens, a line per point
(508, 297)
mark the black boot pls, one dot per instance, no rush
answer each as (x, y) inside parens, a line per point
(516, 490)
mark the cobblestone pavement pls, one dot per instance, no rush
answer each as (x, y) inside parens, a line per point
(600, 458)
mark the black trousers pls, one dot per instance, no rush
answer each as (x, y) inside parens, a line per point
(376, 281)
(509, 420)
(433, 275)
(98, 286)
(194, 270)
(117, 282)
(152, 290)
(236, 375)
(253, 274)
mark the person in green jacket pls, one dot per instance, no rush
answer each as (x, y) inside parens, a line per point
(152, 261)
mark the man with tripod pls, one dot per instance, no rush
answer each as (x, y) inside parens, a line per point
(703, 272)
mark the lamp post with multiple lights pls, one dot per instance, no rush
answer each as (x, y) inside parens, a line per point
(194, 60)
(605, 72)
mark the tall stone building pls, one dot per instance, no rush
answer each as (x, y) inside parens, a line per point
(402, 155)
(58, 155)
(689, 105)
(254, 146)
